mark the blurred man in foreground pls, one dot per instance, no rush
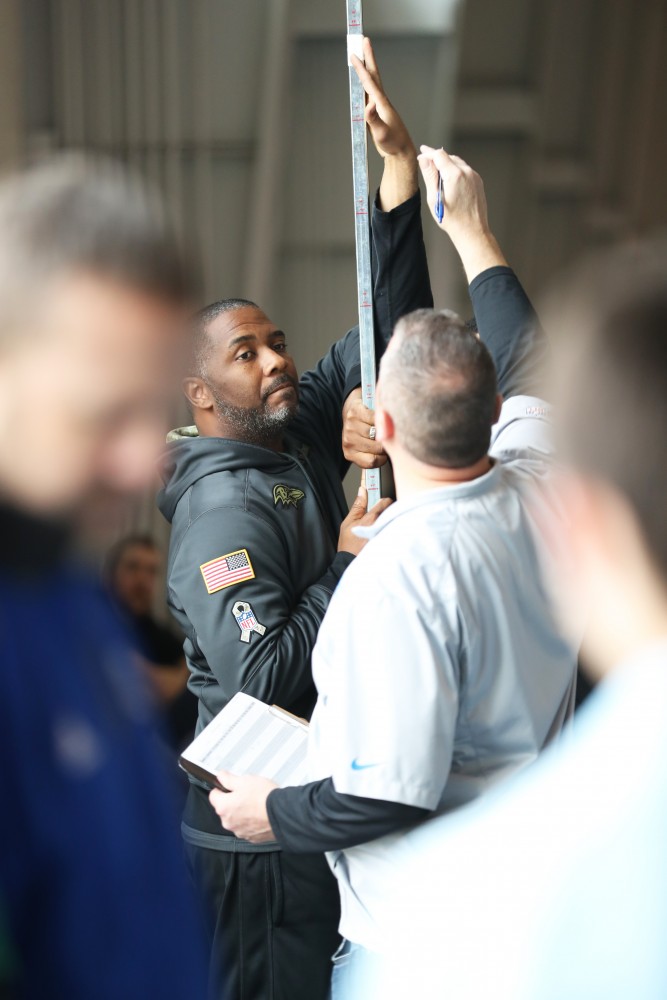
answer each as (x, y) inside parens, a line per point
(556, 887)
(93, 293)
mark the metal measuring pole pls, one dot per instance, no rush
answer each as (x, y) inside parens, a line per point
(355, 33)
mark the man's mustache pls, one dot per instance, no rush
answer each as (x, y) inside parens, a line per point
(279, 381)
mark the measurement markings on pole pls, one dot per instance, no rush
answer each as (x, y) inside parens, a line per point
(355, 34)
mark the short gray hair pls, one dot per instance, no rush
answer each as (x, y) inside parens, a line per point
(439, 385)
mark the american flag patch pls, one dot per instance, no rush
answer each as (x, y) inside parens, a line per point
(227, 570)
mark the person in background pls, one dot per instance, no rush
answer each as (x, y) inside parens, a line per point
(94, 297)
(131, 575)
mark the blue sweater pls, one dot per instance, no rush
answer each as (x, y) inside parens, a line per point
(92, 883)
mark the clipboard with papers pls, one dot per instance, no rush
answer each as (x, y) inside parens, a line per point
(249, 737)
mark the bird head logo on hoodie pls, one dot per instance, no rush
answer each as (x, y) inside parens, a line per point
(288, 496)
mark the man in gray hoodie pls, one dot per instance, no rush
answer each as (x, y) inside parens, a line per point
(260, 538)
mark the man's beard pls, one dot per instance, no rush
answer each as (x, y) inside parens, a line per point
(258, 424)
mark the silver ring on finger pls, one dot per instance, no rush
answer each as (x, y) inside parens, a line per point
(372, 433)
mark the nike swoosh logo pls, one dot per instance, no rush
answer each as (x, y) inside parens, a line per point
(356, 766)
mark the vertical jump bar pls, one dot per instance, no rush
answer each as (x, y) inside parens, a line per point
(355, 33)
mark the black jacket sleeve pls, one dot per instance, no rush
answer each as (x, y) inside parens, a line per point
(511, 330)
(400, 284)
(401, 280)
(315, 817)
(273, 666)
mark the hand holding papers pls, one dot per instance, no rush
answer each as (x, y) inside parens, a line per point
(242, 809)
(249, 737)
(248, 750)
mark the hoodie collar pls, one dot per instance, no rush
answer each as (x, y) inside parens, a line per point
(189, 458)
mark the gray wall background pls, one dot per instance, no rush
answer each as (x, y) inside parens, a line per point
(238, 111)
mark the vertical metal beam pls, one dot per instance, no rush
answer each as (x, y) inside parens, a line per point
(443, 260)
(134, 95)
(264, 215)
(68, 62)
(11, 92)
(203, 136)
(173, 121)
(649, 116)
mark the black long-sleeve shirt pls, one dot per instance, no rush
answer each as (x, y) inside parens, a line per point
(510, 328)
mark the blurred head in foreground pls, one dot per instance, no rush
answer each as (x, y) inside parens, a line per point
(93, 297)
(610, 386)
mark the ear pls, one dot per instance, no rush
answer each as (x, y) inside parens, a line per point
(197, 393)
(612, 577)
(384, 425)
(499, 406)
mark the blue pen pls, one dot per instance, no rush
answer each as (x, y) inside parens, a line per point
(439, 201)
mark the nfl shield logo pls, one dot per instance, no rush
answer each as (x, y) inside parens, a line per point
(246, 621)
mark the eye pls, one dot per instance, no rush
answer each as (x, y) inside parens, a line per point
(246, 356)
(280, 346)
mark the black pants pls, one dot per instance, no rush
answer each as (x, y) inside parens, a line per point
(273, 923)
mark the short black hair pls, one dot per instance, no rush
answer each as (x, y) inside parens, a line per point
(201, 342)
(439, 385)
